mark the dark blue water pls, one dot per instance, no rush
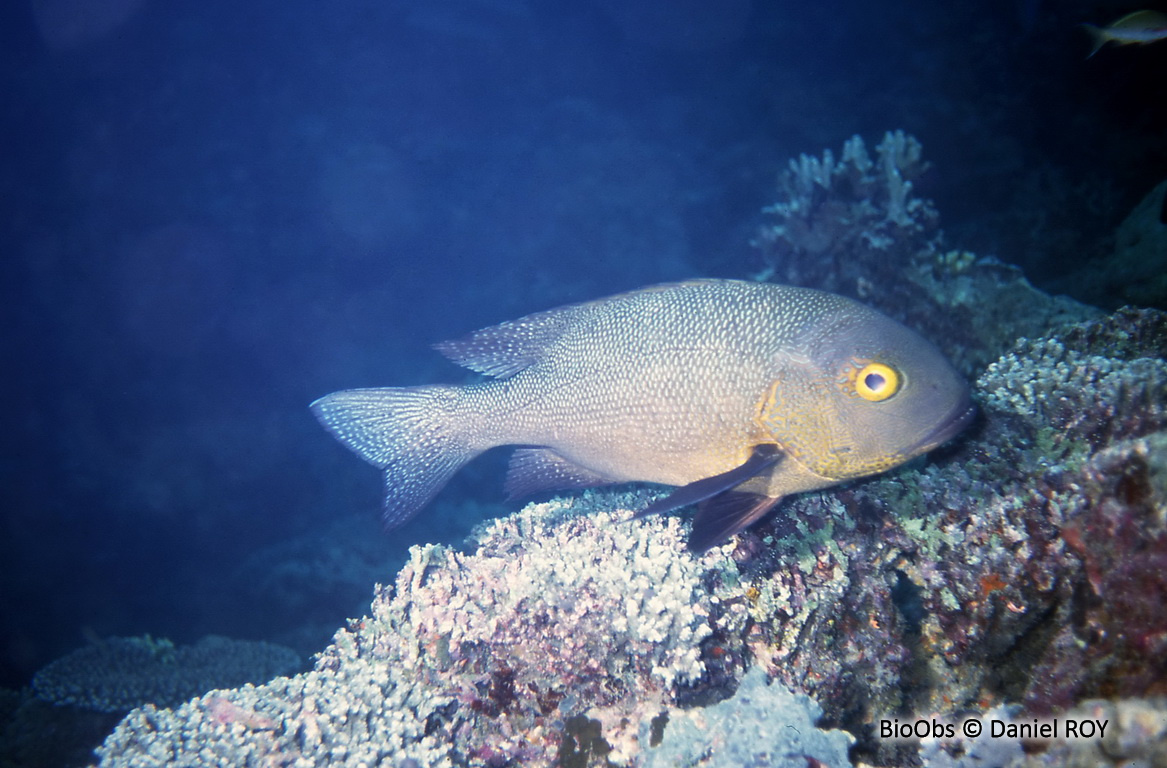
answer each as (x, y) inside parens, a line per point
(216, 213)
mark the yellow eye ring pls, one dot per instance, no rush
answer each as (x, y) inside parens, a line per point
(877, 382)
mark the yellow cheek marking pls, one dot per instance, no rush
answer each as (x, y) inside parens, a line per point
(770, 418)
(798, 427)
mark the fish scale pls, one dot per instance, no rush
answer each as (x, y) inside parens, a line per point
(744, 392)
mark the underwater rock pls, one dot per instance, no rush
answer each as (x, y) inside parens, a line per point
(1134, 271)
(1138, 269)
(763, 725)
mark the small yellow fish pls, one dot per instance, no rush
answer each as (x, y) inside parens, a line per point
(1140, 27)
(741, 393)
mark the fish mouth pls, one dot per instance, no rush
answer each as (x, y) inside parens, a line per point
(949, 427)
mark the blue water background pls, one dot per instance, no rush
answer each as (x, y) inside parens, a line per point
(215, 212)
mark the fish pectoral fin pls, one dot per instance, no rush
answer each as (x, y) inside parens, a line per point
(763, 457)
(725, 514)
(534, 470)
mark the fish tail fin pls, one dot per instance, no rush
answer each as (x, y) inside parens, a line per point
(410, 432)
(1097, 36)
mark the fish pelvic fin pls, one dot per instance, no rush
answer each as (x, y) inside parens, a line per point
(763, 457)
(409, 432)
(725, 514)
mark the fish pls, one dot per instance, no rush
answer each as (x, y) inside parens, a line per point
(737, 393)
(1136, 28)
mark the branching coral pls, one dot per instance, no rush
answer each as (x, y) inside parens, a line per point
(554, 613)
(565, 610)
(856, 225)
(835, 219)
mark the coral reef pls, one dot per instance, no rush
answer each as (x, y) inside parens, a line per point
(366, 716)
(835, 217)
(117, 674)
(556, 611)
(856, 226)
(486, 657)
(1023, 564)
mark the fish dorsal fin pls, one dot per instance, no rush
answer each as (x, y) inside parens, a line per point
(505, 349)
(725, 514)
(534, 470)
(763, 457)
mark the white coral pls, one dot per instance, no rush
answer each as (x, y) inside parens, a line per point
(542, 579)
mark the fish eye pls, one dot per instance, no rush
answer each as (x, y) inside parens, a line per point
(877, 382)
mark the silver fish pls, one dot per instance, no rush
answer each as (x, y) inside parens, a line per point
(1138, 28)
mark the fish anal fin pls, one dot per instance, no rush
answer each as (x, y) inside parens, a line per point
(763, 457)
(723, 515)
(535, 470)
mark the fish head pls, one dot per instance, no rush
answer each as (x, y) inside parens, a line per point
(858, 393)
